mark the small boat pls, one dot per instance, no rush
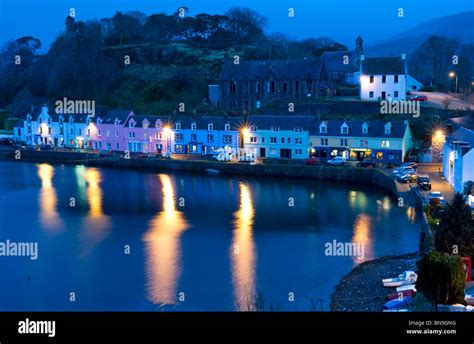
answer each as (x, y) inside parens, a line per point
(396, 303)
(469, 296)
(408, 277)
(212, 171)
(407, 287)
(404, 293)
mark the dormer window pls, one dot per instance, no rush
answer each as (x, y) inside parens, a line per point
(99, 121)
(28, 119)
(298, 129)
(388, 128)
(275, 129)
(193, 126)
(88, 120)
(132, 124)
(323, 129)
(49, 120)
(117, 122)
(178, 126)
(253, 128)
(158, 124)
(227, 127)
(61, 120)
(40, 120)
(344, 128)
(365, 128)
(210, 127)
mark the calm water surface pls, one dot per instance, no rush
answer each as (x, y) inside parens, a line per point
(196, 241)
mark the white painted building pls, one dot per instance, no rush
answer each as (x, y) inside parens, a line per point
(385, 78)
(278, 136)
(458, 158)
(45, 128)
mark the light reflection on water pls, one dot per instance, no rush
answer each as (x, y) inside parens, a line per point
(48, 200)
(163, 249)
(253, 220)
(243, 253)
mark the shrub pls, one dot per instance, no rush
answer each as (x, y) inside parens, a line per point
(441, 278)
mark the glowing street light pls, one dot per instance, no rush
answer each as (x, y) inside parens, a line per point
(167, 132)
(452, 75)
(437, 144)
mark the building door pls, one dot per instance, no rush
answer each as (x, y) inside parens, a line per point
(262, 152)
(384, 95)
(285, 153)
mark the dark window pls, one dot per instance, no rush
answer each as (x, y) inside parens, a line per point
(309, 85)
(384, 79)
(232, 87)
(371, 79)
(272, 86)
(395, 94)
(371, 94)
(297, 86)
(285, 87)
(258, 88)
(395, 78)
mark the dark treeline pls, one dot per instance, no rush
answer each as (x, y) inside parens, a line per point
(172, 59)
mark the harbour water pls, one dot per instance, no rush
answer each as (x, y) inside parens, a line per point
(110, 239)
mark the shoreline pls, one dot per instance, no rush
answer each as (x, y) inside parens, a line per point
(373, 177)
(361, 290)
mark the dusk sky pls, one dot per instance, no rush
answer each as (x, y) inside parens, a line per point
(341, 20)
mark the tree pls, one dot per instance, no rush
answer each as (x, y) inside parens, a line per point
(127, 29)
(441, 278)
(456, 228)
(16, 59)
(246, 25)
(160, 27)
(434, 58)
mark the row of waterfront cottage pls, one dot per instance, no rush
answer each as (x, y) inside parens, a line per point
(292, 137)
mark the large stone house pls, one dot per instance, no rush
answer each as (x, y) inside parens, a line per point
(248, 85)
(344, 66)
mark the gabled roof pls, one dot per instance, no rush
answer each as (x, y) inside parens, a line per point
(375, 128)
(334, 61)
(279, 69)
(383, 65)
(109, 116)
(283, 122)
(465, 121)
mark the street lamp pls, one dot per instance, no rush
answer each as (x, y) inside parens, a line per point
(452, 75)
(167, 131)
(437, 144)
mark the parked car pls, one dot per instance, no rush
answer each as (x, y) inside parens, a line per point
(6, 142)
(419, 98)
(424, 182)
(45, 148)
(247, 157)
(366, 163)
(311, 161)
(436, 196)
(408, 178)
(411, 164)
(337, 161)
(402, 171)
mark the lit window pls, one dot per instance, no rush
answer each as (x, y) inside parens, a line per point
(193, 126)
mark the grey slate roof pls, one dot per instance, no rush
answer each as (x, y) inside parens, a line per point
(465, 121)
(202, 122)
(383, 66)
(280, 69)
(283, 122)
(464, 135)
(334, 61)
(375, 129)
